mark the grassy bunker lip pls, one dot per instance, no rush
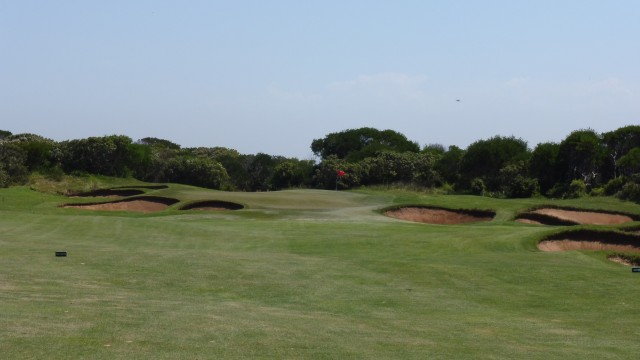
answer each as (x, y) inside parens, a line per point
(150, 187)
(585, 239)
(135, 204)
(212, 205)
(110, 193)
(560, 216)
(438, 215)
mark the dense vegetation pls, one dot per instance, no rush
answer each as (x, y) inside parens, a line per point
(585, 162)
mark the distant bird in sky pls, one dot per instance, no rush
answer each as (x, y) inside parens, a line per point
(458, 100)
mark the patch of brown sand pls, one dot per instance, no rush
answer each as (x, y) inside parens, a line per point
(585, 217)
(619, 260)
(435, 216)
(529, 221)
(567, 245)
(133, 205)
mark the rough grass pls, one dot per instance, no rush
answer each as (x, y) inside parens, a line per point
(304, 274)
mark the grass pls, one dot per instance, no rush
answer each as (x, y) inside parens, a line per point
(304, 274)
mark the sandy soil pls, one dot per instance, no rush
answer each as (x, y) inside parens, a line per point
(528, 221)
(566, 245)
(434, 216)
(585, 217)
(134, 205)
(620, 260)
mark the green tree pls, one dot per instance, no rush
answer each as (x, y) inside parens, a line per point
(516, 183)
(448, 164)
(326, 174)
(13, 169)
(260, 169)
(107, 155)
(197, 171)
(389, 167)
(161, 143)
(357, 144)
(236, 164)
(4, 134)
(630, 163)
(543, 165)
(485, 158)
(292, 173)
(581, 156)
(617, 144)
(37, 149)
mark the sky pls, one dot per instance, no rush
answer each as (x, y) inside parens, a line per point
(271, 76)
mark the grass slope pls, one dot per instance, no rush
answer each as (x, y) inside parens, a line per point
(304, 274)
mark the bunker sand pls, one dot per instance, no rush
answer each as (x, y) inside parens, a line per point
(591, 240)
(144, 205)
(568, 245)
(586, 217)
(439, 216)
(552, 216)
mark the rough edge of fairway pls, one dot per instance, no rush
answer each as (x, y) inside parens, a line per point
(135, 204)
(438, 215)
(595, 240)
(212, 205)
(562, 216)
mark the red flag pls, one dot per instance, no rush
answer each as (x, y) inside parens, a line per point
(341, 173)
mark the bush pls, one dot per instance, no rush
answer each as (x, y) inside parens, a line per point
(522, 187)
(577, 189)
(447, 189)
(630, 191)
(4, 178)
(614, 185)
(599, 191)
(478, 187)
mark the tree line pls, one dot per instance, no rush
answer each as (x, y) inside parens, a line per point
(585, 162)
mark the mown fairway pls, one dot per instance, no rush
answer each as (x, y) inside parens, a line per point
(304, 274)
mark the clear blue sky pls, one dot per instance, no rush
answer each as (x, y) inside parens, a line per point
(270, 76)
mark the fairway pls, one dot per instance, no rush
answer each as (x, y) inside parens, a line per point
(305, 274)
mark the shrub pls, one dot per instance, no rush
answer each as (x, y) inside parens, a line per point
(599, 191)
(577, 189)
(478, 187)
(522, 187)
(630, 191)
(614, 185)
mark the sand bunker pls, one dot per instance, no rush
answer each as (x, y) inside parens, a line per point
(591, 240)
(140, 204)
(212, 205)
(552, 216)
(440, 216)
(566, 245)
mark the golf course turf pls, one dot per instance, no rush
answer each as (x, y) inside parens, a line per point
(308, 274)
